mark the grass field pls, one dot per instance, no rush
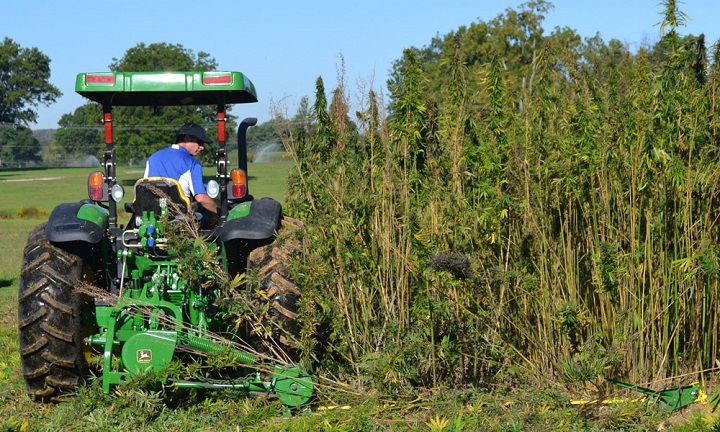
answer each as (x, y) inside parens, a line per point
(44, 188)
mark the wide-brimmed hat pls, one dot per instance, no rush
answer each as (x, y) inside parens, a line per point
(195, 130)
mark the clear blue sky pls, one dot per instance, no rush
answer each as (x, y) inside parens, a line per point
(283, 46)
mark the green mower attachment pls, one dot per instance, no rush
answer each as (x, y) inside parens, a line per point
(671, 399)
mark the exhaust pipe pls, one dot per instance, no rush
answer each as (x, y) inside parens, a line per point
(242, 145)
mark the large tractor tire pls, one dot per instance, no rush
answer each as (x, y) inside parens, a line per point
(49, 320)
(277, 287)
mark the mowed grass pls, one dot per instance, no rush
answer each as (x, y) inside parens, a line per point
(13, 235)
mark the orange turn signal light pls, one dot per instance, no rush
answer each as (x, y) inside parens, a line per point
(97, 190)
(238, 176)
(96, 179)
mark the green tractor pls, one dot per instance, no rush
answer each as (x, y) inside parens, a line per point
(91, 288)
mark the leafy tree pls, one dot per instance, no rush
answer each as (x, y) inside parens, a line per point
(515, 39)
(162, 57)
(19, 145)
(77, 135)
(24, 75)
(154, 128)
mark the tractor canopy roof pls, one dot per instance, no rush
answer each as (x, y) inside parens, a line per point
(165, 88)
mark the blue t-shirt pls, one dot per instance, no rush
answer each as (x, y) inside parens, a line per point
(177, 163)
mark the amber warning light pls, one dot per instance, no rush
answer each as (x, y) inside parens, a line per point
(96, 186)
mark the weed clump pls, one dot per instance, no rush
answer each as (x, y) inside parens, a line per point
(456, 264)
(32, 213)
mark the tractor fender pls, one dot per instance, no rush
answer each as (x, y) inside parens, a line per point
(78, 221)
(260, 223)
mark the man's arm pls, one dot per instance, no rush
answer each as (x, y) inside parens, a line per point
(207, 202)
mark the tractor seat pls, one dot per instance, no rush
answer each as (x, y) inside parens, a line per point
(150, 190)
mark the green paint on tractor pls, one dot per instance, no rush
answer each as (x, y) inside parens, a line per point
(94, 214)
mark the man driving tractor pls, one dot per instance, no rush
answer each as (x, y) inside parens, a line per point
(178, 162)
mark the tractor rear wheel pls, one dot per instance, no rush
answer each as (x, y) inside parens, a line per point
(277, 286)
(49, 320)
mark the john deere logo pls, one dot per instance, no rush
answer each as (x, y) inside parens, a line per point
(144, 356)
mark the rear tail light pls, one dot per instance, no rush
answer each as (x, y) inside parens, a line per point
(216, 78)
(100, 79)
(97, 189)
(238, 184)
